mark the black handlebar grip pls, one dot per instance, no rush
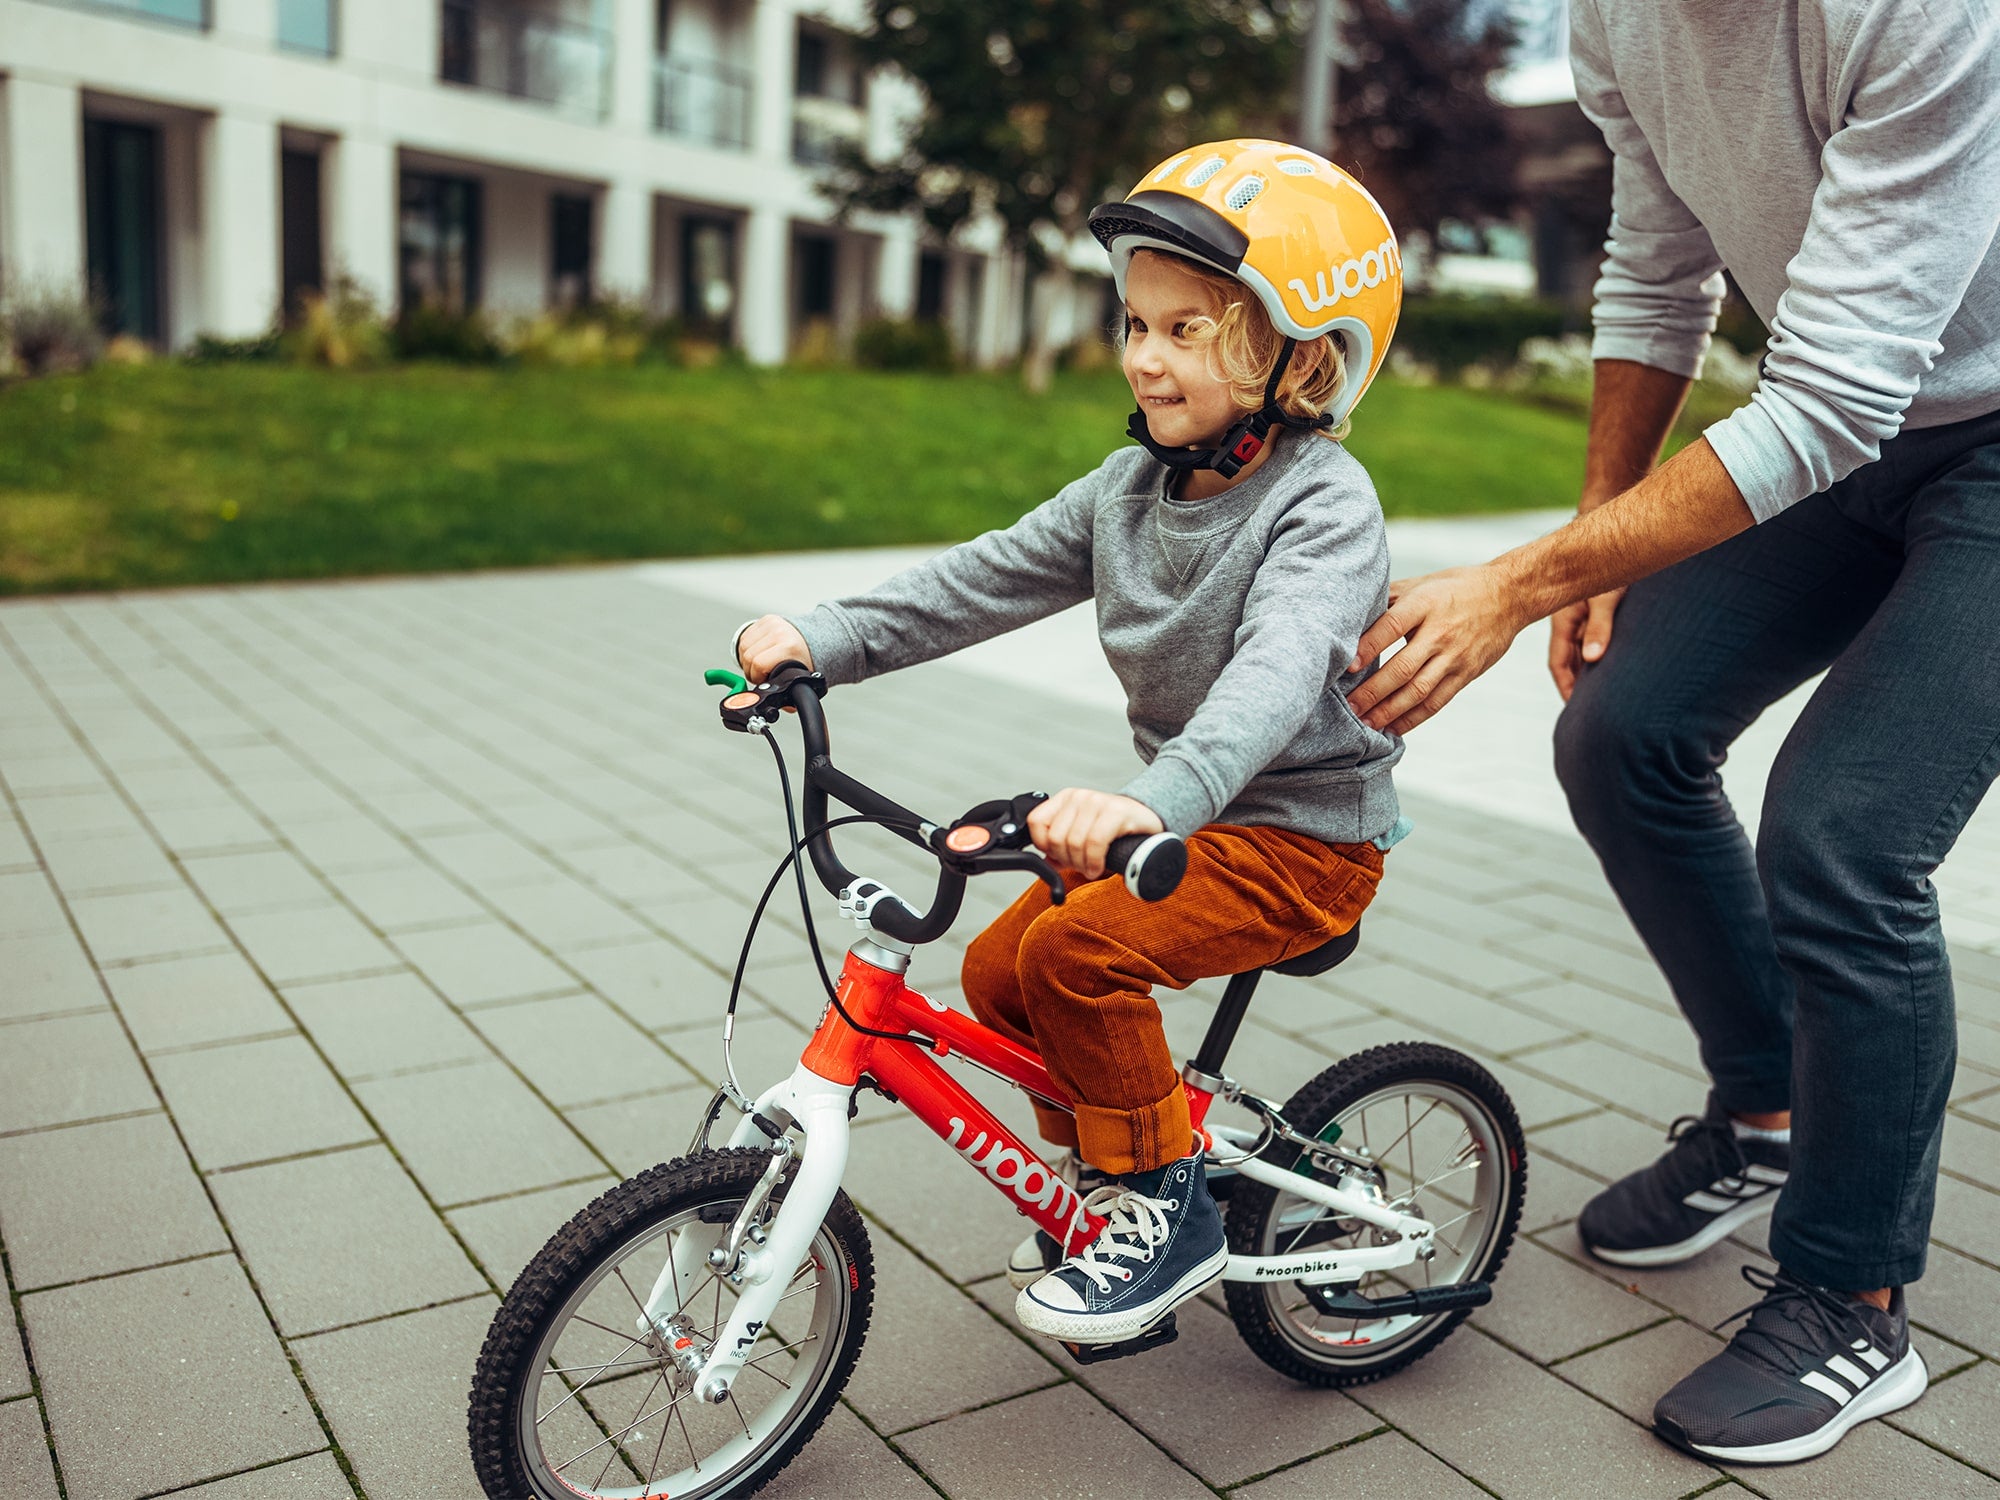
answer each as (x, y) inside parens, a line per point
(1152, 863)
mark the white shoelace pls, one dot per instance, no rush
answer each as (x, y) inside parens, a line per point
(1134, 1227)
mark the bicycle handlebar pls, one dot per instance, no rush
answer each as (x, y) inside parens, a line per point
(1151, 864)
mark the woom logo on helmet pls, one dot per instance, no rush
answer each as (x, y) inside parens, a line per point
(1350, 278)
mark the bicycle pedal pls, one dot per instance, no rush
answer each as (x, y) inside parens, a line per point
(1160, 1334)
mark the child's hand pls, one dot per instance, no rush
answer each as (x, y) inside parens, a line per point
(1075, 827)
(768, 642)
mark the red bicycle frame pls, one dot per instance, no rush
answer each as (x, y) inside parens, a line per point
(879, 1000)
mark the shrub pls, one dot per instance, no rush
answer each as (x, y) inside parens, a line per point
(428, 331)
(903, 344)
(340, 328)
(51, 331)
(587, 337)
(1452, 333)
(208, 349)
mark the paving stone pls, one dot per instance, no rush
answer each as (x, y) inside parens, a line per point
(13, 1360)
(1536, 1100)
(197, 830)
(660, 984)
(1547, 1307)
(1556, 1193)
(261, 880)
(488, 859)
(903, 1175)
(1172, 1397)
(146, 924)
(577, 1050)
(1456, 961)
(68, 1068)
(633, 873)
(187, 1002)
(566, 914)
(1036, 1445)
(933, 1351)
(475, 1132)
(1967, 1218)
(74, 814)
(346, 844)
(484, 962)
(1658, 1030)
(1972, 1150)
(254, 1101)
(1387, 1466)
(394, 1392)
(15, 852)
(1632, 1374)
(1611, 1076)
(196, 1387)
(1875, 1459)
(25, 1470)
(1706, 1289)
(1962, 1296)
(1521, 1431)
(48, 974)
(507, 1233)
(845, 1461)
(316, 1477)
(1451, 1008)
(395, 898)
(313, 942)
(383, 1023)
(1942, 1357)
(1958, 1416)
(1607, 1144)
(1596, 963)
(28, 906)
(62, 1191)
(642, 1132)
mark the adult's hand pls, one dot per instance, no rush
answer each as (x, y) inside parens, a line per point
(1454, 625)
(1580, 634)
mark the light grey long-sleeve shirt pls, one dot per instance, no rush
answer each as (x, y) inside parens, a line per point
(1228, 621)
(1842, 159)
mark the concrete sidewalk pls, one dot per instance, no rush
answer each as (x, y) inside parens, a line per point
(352, 936)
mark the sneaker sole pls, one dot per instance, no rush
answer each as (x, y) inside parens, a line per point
(1102, 1328)
(1020, 1278)
(1897, 1389)
(1713, 1232)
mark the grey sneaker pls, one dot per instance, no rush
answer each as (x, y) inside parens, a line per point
(1709, 1184)
(1162, 1243)
(1039, 1254)
(1798, 1376)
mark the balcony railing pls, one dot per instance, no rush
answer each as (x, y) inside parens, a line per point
(709, 102)
(495, 46)
(821, 126)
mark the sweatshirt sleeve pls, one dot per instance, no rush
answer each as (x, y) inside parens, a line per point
(979, 589)
(1661, 283)
(1906, 210)
(1322, 583)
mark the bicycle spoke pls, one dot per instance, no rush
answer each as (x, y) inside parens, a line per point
(578, 1390)
(670, 1406)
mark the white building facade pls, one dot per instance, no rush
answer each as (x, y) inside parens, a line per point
(199, 164)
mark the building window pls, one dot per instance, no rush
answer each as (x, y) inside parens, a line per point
(569, 255)
(512, 51)
(302, 253)
(818, 258)
(440, 236)
(308, 26)
(825, 68)
(121, 190)
(175, 12)
(930, 286)
(708, 276)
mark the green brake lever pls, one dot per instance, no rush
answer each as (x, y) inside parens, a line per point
(723, 677)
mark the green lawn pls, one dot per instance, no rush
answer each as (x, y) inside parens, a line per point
(175, 474)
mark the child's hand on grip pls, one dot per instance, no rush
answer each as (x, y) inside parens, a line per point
(1075, 827)
(766, 643)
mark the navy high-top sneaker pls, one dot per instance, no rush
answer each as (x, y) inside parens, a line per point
(1162, 1243)
(1039, 1253)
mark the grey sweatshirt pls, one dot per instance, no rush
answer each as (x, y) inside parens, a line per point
(1842, 159)
(1228, 621)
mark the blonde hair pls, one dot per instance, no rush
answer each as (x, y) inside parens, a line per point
(1242, 346)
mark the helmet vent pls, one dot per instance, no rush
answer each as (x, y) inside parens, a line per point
(1171, 167)
(1241, 195)
(1205, 171)
(1293, 166)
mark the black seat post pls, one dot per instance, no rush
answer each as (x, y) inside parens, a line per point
(1228, 1017)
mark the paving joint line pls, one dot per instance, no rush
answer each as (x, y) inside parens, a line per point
(342, 1148)
(388, 1317)
(182, 1489)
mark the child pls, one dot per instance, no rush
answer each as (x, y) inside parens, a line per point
(1235, 558)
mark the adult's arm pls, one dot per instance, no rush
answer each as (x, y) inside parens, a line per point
(1632, 409)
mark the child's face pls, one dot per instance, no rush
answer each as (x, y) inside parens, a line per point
(1186, 404)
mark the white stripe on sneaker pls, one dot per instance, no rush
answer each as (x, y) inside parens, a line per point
(1876, 1359)
(1848, 1371)
(1827, 1387)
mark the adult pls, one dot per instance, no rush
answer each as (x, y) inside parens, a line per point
(1842, 159)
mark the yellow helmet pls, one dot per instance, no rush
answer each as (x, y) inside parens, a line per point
(1301, 234)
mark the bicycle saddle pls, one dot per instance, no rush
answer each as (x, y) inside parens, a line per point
(1322, 958)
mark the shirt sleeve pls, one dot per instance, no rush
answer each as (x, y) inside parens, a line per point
(1661, 284)
(972, 592)
(1321, 584)
(1905, 213)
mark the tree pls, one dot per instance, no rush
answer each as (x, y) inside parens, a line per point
(1036, 110)
(1414, 118)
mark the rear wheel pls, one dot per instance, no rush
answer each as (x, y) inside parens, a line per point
(575, 1396)
(1446, 1144)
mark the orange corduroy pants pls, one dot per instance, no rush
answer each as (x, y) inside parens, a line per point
(1075, 981)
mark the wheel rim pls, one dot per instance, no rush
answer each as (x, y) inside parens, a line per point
(1440, 1153)
(607, 1415)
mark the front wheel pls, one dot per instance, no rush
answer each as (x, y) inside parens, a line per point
(1446, 1144)
(575, 1395)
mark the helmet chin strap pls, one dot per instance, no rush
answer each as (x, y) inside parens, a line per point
(1242, 442)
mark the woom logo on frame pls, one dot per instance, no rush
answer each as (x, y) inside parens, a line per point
(1022, 1176)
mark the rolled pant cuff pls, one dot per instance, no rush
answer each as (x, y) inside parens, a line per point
(1751, 1098)
(1845, 1275)
(1123, 1141)
(1058, 1126)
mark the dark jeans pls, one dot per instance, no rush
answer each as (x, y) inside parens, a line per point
(1813, 969)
